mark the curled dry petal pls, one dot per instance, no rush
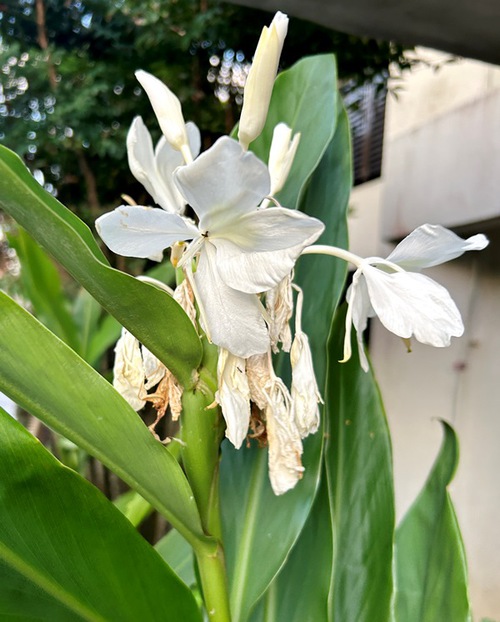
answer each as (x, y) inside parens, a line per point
(260, 377)
(233, 396)
(184, 296)
(285, 445)
(128, 370)
(279, 304)
(305, 392)
(154, 369)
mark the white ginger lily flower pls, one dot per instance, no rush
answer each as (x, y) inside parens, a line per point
(155, 169)
(243, 251)
(168, 111)
(408, 303)
(233, 396)
(281, 155)
(260, 80)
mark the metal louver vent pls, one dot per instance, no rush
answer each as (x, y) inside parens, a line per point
(366, 111)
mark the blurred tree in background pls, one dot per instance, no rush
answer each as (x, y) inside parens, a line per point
(68, 92)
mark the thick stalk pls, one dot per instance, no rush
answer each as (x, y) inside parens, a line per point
(202, 431)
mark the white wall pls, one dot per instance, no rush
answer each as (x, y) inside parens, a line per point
(462, 383)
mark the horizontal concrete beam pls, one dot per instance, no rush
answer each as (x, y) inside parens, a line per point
(464, 27)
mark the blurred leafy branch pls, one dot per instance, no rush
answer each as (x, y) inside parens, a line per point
(68, 92)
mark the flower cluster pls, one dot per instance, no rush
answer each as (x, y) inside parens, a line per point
(237, 257)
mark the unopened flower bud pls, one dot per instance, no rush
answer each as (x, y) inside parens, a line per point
(167, 108)
(281, 155)
(260, 81)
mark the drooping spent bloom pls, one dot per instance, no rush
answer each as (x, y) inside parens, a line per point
(233, 396)
(260, 81)
(283, 437)
(135, 371)
(305, 393)
(154, 169)
(241, 250)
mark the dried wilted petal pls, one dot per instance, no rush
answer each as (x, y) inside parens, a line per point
(305, 393)
(154, 369)
(184, 296)
(260, 375)
(233, 396)
(174, 396)
(285, 445)
(279, 304)
(128, 370)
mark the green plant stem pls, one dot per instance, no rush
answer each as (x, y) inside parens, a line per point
(202, 432)
(212, 569)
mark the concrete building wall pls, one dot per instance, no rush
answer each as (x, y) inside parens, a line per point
(461, 383)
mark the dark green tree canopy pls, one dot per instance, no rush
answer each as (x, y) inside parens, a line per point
(68, 92)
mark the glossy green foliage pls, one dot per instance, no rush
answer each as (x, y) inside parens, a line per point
(322, 278)
(49, 380)
(305, 98)
(67, 554)
(431, 573)
(42, 285)
(256, 537)
(178, 555)
(300, 593)
(148, 312)
(359, 470)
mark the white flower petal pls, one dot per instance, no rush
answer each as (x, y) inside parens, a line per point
(234, 319)
(233, 396)
(259, 249)
(137, 231)
(223, 183)
(410, 303)
(167, 109)
(167, 159)
(140, 154)
(431, 245)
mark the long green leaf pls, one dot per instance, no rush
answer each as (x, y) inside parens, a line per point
(322, 278)
(259, 527)
(307, 572)
(359, 467)
(178, 555)
(431, 572)
(42, 286)
(148, 312)
(49, 380)
(67, 554)
(305, 98)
